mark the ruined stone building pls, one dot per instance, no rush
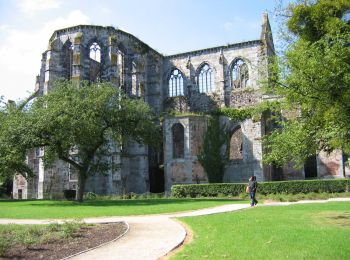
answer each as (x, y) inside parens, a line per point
(224, 76)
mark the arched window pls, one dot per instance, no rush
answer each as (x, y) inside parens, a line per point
(95, 62)
(236, 145)
(240, 74)
(134, 83)
(67, 60)
(206, 81)
(95, 52)
(176, 84)
(178, 140)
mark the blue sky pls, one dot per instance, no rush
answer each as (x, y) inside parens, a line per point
(168, 26)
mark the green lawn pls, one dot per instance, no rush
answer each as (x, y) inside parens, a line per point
(310, 231)
(41, 209)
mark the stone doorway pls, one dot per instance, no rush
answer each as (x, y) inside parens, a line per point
(310, 167)
(20, 194)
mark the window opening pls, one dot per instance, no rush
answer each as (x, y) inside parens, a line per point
(178, 140)
(95, 52)
(240, 74)
(176, 83)
(206, 79)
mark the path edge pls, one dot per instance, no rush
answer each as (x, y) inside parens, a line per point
(101, 245)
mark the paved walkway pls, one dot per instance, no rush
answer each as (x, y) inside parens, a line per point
(152, 236)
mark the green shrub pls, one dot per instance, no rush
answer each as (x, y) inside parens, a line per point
(264, 188)
(90, 196)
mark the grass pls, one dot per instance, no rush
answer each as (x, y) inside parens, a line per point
(309, 231)
(299, 196)
(49, 209)
(35, 234)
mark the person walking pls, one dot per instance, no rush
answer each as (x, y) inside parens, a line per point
(252, 190)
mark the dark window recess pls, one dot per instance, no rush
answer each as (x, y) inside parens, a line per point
(178, 140)
(67, 60)
(310, 167)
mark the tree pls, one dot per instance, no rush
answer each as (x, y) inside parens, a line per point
(13, 145)
(314, 80)
(76, 123)
(211, 155)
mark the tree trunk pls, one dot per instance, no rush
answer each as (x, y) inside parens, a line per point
(81, 186)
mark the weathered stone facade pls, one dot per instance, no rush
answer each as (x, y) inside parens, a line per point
(198, 81)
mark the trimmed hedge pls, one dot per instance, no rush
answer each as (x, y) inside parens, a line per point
(233, 189)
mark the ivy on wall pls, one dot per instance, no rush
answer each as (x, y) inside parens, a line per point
(211, 156)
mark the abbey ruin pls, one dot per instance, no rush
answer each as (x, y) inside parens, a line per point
(224, 76)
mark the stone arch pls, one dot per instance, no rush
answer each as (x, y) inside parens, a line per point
(206, 80)
(66, 59)
(235, 151)
(178, 138)
(241, 80)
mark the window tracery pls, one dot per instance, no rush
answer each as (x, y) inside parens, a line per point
(240, 74)
(206, 81)
(95, 52)
(176, 83)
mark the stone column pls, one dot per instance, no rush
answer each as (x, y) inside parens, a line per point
(77, 66)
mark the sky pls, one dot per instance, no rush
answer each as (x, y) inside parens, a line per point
(167, 26)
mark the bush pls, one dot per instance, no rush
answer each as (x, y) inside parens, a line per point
(69, 194)
(264, 188)
(90, 196)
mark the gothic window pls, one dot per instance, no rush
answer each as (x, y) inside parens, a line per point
(236, 145)
(240, 74)
(176, 84)
(135, 84)
(95, 62)
(67, 60)
(178, 140)
(95, 52)
(206, 79)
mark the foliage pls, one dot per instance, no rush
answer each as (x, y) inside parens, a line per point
(314, 80)
(287, 187)
(211, 155)
(310, 231)
(13, 143)
(90, 196)
(79, 123)
(51, 209)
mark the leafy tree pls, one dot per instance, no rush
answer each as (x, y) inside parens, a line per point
(211, 155)
(314, 80)
(13, 145)
(76, 124)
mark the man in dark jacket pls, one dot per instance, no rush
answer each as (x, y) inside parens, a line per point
(252, 190)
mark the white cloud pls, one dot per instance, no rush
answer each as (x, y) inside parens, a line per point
(34, 6)
(20, 52)
(3, 27)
